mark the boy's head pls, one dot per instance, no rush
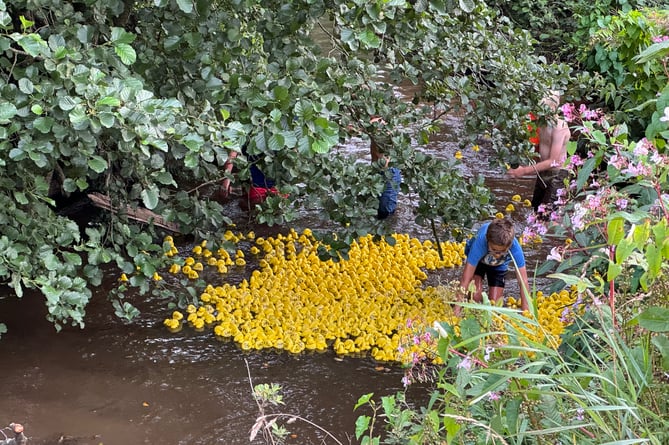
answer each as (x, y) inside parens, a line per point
(501, 233)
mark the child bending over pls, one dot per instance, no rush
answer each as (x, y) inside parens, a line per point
(489, 253)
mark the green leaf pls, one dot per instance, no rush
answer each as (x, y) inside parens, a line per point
(467, 6)
(126, 53)
(164, 177)
(469, 327)
(571, 280)
(37, 109)
(150, 197)
(655, 319)
(281, 93)
(275, 142)
(5, 21)
(624, 248)
(370, 39)
(120, 35)
(78, 118)
(191, 160)
(26, 86)
(613, 271)
(66, 103)
(389, 404)
(97, 164)
(16, 284)
(25, 23)
(43, 124)
(20, 197)
(275, 115)
(655, 51)
(361, 425)
(160, 144)
(185, 6)
(108, 101)
(584, 173)
(193, 141)
(7, 112)
(33, 44)
(512, 414)
(107, 119)
(319, 146)
(363, 400)
(72, 258)
(451, 425)
(616, 230)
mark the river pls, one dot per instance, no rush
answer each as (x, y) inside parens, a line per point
(117, 383)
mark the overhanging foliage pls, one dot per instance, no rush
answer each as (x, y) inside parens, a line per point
(144, 101)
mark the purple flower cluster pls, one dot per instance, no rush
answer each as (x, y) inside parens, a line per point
(578, 115)
(419, 346)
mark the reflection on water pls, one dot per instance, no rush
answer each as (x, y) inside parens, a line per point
(139, 384)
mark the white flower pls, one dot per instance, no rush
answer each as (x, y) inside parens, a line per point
(665, 118)
(440, 329)
(555, 254)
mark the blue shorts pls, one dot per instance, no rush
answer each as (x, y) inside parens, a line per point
(388, 199)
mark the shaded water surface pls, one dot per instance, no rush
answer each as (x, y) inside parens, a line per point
(138, 384)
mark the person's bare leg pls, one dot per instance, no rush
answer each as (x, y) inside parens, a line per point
(496, 293)
(478, 282)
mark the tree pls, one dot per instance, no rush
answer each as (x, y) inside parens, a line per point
(144, 101)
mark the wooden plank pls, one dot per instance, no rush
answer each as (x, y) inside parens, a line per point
(139, 214)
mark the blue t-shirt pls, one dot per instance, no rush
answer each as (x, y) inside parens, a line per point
(477, 252)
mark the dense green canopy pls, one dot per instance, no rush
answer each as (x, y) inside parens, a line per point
(145, 101)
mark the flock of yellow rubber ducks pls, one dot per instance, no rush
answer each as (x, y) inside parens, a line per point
(296, 302)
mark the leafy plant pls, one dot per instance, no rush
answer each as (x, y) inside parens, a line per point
(143, 102)
(522, 391)
(632, 82)
(269, 395)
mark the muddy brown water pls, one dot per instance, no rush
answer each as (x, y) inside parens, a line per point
(115, 383)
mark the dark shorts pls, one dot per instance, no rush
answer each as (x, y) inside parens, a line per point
(546, 187)
(494, 276)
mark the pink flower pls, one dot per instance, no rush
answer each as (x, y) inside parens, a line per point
(618, 162)
(591, 115)
(568, 112)
(642, 147)
(466, 363)
(638, 169)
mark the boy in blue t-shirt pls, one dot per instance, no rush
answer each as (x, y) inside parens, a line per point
(489, 253)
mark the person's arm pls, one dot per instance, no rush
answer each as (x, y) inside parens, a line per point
(467, 277)
(552, 144)
(524, 288)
